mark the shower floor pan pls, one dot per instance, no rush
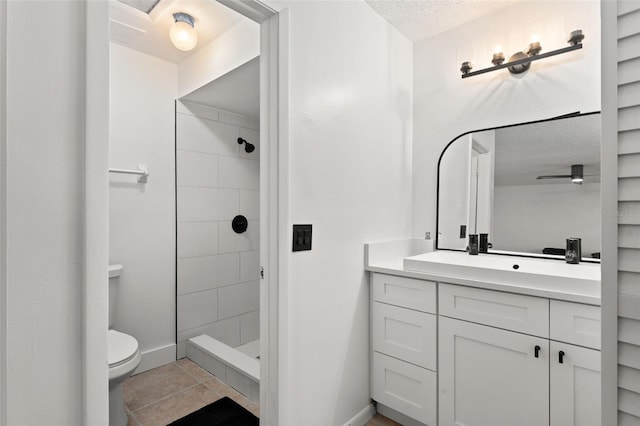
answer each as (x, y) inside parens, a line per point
(238, 367)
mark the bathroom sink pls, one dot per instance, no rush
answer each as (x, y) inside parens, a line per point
(510, 270)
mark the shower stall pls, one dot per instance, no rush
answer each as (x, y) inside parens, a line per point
(218, 232)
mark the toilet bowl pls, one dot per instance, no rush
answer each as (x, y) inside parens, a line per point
(123, 355)
(124, 358)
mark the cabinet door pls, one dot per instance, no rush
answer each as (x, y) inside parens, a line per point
(491, 377)
(575, 386)
(405, 387)
(405, 334)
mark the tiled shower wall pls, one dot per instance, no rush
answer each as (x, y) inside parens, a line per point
(217, 269)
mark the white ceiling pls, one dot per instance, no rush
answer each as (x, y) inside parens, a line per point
(149, 32)
(142, 5)
(549, 148)
(237, 91)
(420, 19)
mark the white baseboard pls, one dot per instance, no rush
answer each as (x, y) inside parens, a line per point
(156, 357)
(362, 417)
(397, 416)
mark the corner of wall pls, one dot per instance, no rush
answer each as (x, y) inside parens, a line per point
(3, 168)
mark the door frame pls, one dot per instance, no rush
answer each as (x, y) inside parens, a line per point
(273, 207)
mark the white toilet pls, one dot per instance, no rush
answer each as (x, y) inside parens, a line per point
(123, 356)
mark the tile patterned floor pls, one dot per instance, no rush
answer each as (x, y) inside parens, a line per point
(165, 394)
(380, 420)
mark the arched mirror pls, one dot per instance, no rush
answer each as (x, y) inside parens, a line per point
(528, 186)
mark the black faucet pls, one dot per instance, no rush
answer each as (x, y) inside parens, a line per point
(573, 253)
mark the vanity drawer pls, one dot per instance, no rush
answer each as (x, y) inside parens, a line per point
(405, 292)
(405, 387)
(575, 323)
(405, 334)
(516, 312)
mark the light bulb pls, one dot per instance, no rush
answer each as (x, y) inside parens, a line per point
(535, 38)
(182, 33)
(498, 49)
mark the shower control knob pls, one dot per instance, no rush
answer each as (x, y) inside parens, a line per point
(239, 224)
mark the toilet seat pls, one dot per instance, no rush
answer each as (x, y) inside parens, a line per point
(121, 348)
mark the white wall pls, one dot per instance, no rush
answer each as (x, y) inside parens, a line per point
(45, 97)
(350, 121)
(455, 191)
(446, 106)
(142, 216)
(236, 46)
(563, 210)
(218, 287)
(3, 203)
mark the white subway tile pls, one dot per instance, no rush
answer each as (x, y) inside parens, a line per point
(204, 135)
(202, 111)
(181, 350)
(238, 381)
(239, 120)
(197, 239)
(249, 327)
(196, 169)
(227, 331)
(196, 309)
(254, 395)
(232, 242)
(250, 203)
(207, 204)
(239, 173)
(253, 137)
(195, 354)
(205, 273)
(249, 265)
(215, 367)
(238, 299)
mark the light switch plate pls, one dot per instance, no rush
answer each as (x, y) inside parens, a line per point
(301, 237)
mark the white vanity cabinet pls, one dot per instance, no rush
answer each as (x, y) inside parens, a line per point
(502, 376)
(492, 377)
(502, 358)
(574, 385)
(404, 343)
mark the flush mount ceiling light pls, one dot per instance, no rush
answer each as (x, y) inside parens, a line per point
(520, 62)
(183, 33)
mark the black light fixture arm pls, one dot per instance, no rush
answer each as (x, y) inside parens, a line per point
(524, 60)
(520, 62)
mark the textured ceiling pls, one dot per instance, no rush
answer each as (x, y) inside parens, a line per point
(550, 148)
(420, 19)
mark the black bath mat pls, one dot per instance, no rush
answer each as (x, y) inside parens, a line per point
(223, 412)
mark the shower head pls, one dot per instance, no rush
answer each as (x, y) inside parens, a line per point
(248, 147)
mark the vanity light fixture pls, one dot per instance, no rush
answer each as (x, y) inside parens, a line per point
(498, 56)
(465, 68)
(183, 33)
(520, 62)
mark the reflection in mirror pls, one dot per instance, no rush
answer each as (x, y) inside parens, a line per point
(517, 184)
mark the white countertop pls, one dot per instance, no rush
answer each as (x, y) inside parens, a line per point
(380, 258)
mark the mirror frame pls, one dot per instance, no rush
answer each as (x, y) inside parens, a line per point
(505, 253)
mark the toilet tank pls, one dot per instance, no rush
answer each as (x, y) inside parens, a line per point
(114, 277)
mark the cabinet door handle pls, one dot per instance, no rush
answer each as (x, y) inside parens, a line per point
(561, 357)
(537, 351)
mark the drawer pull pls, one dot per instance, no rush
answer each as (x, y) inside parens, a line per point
(561, 357)
(537, 351)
